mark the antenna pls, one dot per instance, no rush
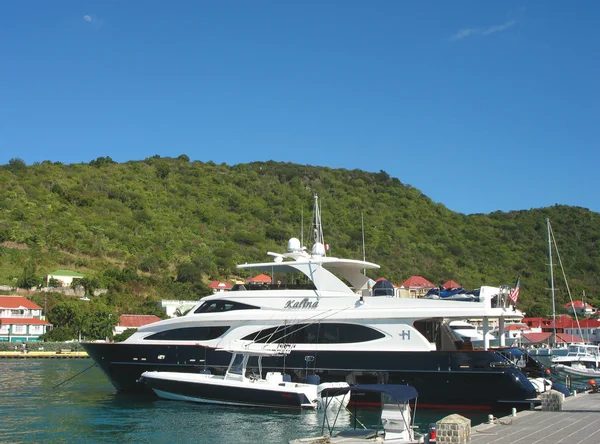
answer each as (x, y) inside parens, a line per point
(302, 227)
(362, 221)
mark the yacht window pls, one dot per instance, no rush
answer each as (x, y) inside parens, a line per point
(326, 333)
(429, 328)
(237, 365)
(188, 334)
(221, 305)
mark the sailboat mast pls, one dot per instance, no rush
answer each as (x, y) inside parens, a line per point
(551, 283)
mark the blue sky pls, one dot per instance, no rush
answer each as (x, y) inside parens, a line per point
(483, 106)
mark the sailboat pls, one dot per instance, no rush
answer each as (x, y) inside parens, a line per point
(582, 360)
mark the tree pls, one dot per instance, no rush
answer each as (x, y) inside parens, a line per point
(16, 164)
(100, 323)
(70, 316)
(28, 278)
(90, 284)
(122, 336)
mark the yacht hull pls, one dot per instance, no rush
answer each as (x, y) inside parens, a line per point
(454, 379)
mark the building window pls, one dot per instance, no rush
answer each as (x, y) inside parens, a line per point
(4, 329)
(36, 329)
(20, 329)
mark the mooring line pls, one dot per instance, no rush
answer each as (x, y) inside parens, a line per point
(74, 376)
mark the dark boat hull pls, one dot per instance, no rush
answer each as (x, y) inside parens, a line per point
(455, 379)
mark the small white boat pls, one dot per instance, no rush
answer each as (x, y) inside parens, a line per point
(582, 360)
(577, 370)
(238, 387)
(396, 423)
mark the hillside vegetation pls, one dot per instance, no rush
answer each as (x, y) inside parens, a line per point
(163, 227)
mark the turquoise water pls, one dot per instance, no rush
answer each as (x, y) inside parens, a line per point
(87, 409)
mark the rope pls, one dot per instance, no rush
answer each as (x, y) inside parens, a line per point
(74, 376)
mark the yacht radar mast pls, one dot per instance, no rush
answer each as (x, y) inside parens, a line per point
(319, 247)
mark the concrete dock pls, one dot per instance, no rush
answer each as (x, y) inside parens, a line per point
(42, 354)
(577, 422)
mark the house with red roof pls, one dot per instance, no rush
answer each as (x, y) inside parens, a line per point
(580, 307)
(417, 286)
(21, 320)
(260, 279)
(545, 338)
(127, 321)
(451, 284)
(220, 286)
(587, 328)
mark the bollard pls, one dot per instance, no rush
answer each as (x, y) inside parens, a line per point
(514, 412)
(552, 401)
(455, 429)
(490, 419)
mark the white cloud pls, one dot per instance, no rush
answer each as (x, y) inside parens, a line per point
(464, 33)
(87, 18)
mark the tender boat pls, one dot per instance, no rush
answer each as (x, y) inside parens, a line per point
(396, 423)
(581, 361)
(241, 387)
(341, 331)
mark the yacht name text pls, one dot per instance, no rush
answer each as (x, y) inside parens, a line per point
(303, 304)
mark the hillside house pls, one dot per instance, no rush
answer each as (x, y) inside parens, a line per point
(218, 287)
(580, 307)
(64, 277)
(22, 320)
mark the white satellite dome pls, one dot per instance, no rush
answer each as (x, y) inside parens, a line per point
(294, 245)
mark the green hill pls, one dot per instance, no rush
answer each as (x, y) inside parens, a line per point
(160, 227)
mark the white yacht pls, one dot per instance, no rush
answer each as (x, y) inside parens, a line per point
(339, 329)
(242, 388)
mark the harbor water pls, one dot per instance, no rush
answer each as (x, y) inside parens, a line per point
(71, 401)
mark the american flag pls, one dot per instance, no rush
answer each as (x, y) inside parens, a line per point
(514, 294)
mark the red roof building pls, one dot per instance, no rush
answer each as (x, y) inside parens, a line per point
(451, 284)
(417, 286)
(546, 338)
(17, 302)
(220, 286)
(516, 327)
(127, 321)
(580, 307)
(21, 319)
(260, 279)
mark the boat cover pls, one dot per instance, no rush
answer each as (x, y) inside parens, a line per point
(401, 393)
(383, 287)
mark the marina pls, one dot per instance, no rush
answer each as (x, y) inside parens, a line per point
(577, 422)
(43, 355)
